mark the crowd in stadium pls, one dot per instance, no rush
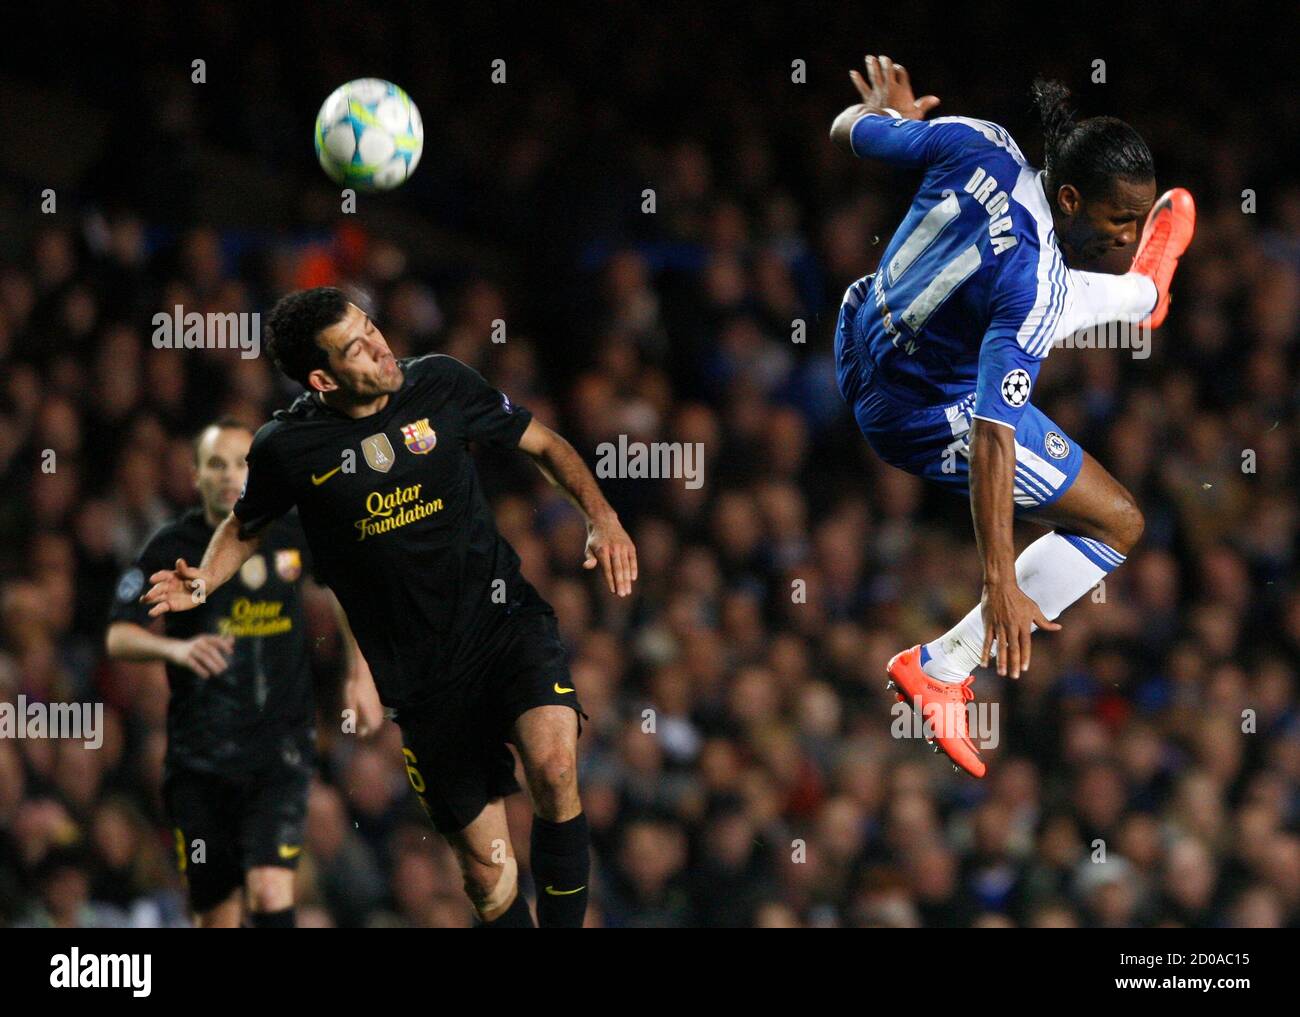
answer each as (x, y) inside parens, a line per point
(738, 767)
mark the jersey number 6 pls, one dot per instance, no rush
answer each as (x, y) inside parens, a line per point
(412, 774)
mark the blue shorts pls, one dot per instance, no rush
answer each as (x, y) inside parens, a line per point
(933, 442)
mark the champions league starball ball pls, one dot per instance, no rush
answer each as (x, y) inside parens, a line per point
(369, 135)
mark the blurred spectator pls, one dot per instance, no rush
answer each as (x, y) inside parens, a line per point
(739, 767)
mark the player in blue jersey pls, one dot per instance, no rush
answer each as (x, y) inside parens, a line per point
(937, 352)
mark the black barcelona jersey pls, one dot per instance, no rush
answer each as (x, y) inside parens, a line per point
(234, 722)
(398, 523)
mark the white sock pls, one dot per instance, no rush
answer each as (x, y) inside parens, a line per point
(1054, 571)
(1098, 298)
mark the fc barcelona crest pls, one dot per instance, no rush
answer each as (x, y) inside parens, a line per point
(420, 437)
(288, 564)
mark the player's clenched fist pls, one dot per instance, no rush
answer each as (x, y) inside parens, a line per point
(205, 655)
(178, 589)
(361, 697)
(609, 546)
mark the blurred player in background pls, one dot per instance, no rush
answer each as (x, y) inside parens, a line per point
(937, 352)
(240, 720)
(375, 455)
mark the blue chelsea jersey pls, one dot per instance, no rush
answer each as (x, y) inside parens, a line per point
(972, 289)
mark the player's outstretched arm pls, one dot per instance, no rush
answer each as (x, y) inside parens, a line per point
(1009, 614)
(607, 542)
(185, 587)
(886, 89)
(205, 654)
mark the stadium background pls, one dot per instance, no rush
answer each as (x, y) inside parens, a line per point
(772, 719)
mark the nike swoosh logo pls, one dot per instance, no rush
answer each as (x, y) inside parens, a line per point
(287, 852)
(564, 893)
(560, 690)
(320, 480)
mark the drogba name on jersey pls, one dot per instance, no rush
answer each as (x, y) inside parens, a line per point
(973, 290)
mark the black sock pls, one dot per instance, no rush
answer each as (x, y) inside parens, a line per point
(271, 919)
(561, 860)
(516, 916)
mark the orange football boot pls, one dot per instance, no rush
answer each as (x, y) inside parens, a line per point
(1165, 237)
(943, 705)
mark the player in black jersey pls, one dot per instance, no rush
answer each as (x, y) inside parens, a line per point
(375, 456)
(240, 739)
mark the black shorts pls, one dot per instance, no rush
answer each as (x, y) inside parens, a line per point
(457, 757)
(224, 826)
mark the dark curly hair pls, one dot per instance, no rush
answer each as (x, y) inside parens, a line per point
(295, 325)
(1089, 154)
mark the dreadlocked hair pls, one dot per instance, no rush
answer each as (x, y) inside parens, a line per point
(1089, 154)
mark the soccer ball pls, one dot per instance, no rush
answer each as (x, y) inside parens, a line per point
(369, 135)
